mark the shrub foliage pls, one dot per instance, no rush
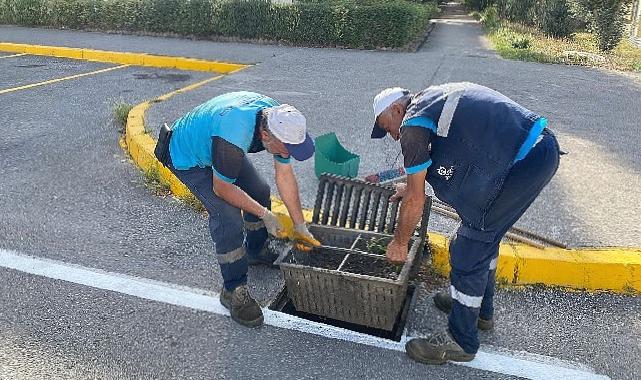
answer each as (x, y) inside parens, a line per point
(349, 23)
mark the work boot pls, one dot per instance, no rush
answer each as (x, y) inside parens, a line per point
(443, 302)
(437, 349)
(242, 307)
(265, 257)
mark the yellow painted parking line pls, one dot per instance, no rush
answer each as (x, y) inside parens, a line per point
(13, 55)
(61, 79)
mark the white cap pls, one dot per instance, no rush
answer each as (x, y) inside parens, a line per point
(383, 100)
(386, 97)
(288, 125)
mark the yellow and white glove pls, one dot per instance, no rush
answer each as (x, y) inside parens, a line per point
(303, 239)
(273, 225)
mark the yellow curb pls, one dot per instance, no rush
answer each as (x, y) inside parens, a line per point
(594, 269)
(124, 58)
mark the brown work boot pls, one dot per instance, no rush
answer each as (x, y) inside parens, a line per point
(242, 307)
(437, 349)
(443, 302)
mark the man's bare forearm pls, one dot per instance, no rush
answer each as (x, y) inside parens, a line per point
(412, 207)
(411, 211)
(288, 190)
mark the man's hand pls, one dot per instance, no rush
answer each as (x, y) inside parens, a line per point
(401, 188)
(272, 224)
(396, 252)
(304, 239)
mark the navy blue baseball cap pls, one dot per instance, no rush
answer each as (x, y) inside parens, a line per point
(302, 151)
(378, 132)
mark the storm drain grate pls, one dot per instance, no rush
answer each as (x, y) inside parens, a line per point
(282, 303)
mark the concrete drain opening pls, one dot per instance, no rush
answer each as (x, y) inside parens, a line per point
(284, 304)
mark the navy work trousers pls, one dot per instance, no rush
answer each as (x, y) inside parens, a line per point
(473, 260)
(235, 234)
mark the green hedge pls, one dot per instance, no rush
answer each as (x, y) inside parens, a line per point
(556, 19)
(562, 18)
(608, 22)
(349, 23)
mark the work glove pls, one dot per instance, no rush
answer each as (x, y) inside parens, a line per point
(273, 225)
(304, 239)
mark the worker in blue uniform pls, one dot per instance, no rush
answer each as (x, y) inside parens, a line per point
(207, 150)
(489, 158)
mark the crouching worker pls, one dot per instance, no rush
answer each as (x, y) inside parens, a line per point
(489, 158)
(207, 150)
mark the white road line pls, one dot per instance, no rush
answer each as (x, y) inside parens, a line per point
(13, 55)
(56, 80)
(521, 364)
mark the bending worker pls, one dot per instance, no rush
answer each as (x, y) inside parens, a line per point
(208, 150)
(489, 158)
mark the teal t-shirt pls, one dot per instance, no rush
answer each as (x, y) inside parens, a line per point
(230, 116)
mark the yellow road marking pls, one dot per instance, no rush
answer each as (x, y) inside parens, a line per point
(13, 55)
(61, 79)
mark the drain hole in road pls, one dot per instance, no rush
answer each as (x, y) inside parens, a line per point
(285, 305)
(165, 77)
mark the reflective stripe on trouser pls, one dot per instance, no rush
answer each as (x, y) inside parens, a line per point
(471, 259)
(226, 224)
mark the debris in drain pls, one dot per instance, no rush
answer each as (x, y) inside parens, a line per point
(371, 266)
(324, 258)
(377, 246)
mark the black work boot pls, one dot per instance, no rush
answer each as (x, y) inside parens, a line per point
(443, 302)
(437, 349)
(242, 307)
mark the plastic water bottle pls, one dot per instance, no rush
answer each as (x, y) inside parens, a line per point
(385, 175)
